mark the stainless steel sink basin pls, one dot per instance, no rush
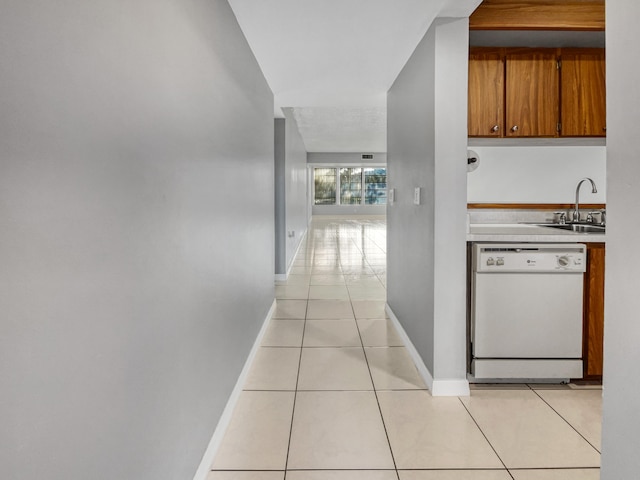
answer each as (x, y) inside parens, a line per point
(576, 227)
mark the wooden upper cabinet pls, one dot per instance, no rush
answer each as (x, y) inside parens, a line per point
(486, 94)
(583, 92)
(532, 94)
(536, 92)
(539, 15)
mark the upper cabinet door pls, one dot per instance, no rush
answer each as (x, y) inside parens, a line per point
(583, 93)
(486, 94)
(532, 90)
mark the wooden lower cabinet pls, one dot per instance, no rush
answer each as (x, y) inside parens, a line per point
(593, 328)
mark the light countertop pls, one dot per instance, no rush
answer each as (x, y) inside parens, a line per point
(519, 232)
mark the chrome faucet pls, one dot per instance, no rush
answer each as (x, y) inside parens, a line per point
(576, 212)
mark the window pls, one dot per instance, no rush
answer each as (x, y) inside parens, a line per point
(357, 185)
(375, 186)
(351, 186)
(325, 186)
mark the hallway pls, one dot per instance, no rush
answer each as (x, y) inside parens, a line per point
(334, 395)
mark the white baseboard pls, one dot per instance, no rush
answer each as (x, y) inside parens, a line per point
(283, 277)
(450, 388)
(415, 356)
(207, 459)
(439, 387)
(295, 254)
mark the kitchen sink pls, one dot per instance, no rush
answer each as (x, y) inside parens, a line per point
(576, 227)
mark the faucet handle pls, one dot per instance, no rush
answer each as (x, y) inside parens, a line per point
(562, 218)
(596, 216)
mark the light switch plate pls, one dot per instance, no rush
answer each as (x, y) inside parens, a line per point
(416, 196)
(392, 195)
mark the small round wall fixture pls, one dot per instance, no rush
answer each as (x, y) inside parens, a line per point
(473, 160)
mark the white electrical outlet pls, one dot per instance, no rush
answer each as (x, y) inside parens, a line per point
(416, 196)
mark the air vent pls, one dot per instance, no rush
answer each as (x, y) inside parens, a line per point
(367, 156)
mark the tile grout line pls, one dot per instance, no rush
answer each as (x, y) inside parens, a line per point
(337, 470)
(375, 393)
(295, 393)
(565, 420)
(322, 320)
(486, 438)
(337, 236)
(517, 469)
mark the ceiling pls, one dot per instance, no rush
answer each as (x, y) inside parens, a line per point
(332, 61)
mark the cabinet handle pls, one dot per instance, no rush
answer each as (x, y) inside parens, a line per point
(604, 129)
(514, 128)
(495, 128)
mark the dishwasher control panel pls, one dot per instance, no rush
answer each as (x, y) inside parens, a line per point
(529, 257)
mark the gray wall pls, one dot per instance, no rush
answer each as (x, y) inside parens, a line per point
(291, 190)
(411, 163)
(280, 197)
(135, 276)
(426, 141)
(296, 185)
(622, 326)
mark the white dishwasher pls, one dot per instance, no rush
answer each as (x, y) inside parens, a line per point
(526, 311)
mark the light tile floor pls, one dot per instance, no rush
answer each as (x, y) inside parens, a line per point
(333, 394)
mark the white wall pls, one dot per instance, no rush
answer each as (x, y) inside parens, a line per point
(426, 244)
(135, 275)
(536, 174)
(621, 415)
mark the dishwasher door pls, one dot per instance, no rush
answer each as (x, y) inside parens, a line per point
(528, 315)
(526, 311)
